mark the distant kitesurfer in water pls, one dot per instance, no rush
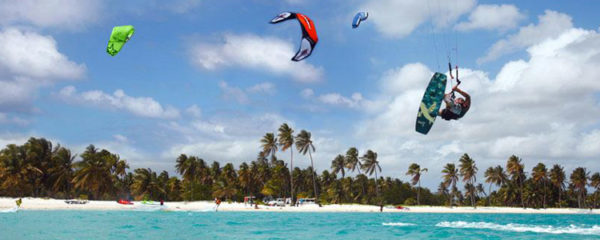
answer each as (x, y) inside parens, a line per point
(455, 107)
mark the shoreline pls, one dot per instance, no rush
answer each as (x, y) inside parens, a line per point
(209, 206)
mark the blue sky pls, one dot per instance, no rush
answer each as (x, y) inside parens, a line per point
(209, 78)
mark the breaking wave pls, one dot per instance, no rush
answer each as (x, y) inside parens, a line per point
(397, 224)
(571, 229)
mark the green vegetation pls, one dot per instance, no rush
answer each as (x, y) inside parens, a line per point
(40, 169)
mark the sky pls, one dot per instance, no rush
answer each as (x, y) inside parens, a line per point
(209, 78)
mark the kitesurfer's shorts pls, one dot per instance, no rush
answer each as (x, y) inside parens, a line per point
(448, 115)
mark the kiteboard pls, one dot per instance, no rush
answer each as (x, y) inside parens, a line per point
(431, 102)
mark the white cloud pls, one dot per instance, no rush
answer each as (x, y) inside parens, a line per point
(337, 99)
(544, 108)
(194, 111)
(120, 138)
(224, 138)
(70, 14)
(254, 52)
(492, 17)
(551, 25)
(398, 19)
(7, 119)
(307, 93)
(233, 93)
(140, 106)
(182, 6)
(29, 61)
(265, 87)
(242, 96)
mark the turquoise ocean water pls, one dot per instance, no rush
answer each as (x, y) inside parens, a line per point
(277, 225)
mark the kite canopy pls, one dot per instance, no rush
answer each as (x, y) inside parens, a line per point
(119, 36)
(309, 33)
(359, 17)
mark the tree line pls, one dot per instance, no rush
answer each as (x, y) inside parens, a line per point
(39, 169)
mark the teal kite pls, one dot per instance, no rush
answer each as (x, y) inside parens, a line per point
(119, 36)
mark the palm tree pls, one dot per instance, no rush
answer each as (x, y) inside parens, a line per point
(145, 183)
(481, 190)
(557, 178)
(370, 166)
(443, 189)
(61, 173)
(352, 160)
(495, 176)
(450, 178)
(93, 172)
(468, 171)
(269, 145)
(415, 171)
(286, 140)
(595, 183)
(222, 189)
(188, 167)
(338, 165)
(14, 170)
(304, 144)
(245, 177)
(579, 179)
(540, 174)
(515, 169)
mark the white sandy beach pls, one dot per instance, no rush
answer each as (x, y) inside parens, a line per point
(59, 204)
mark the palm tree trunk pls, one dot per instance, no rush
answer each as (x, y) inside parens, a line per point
(313, 176)
(377, 186)
(521, 184)
(559, 200)
(489, 197)
(472, 193)
(292, 176)
(419, 193)
(453, 194)
(544, 203)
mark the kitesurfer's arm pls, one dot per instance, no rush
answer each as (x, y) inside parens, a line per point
(466, 95)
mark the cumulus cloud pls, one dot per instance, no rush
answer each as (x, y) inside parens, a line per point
(28, 62)
(543, 109)
(307, 93)
(139, 106)
(222, 137)
(69, 14)
(8, 119)
(265, 87)
(492, 17)
(194, 111)
(242, 96)
(550, 25)
(267, 54)
(182, 6)
(337, 99)
(233, 93)
(400, 18)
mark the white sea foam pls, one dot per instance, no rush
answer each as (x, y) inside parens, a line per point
(572, 229)
(397, 224)
(10, 210)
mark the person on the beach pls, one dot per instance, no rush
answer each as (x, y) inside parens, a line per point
(162, 202)
(218, 203)
(455, 108)
(18, 202)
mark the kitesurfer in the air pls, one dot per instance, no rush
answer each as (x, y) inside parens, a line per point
(455, 107)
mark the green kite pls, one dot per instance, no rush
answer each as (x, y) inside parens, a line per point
(119, 36)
